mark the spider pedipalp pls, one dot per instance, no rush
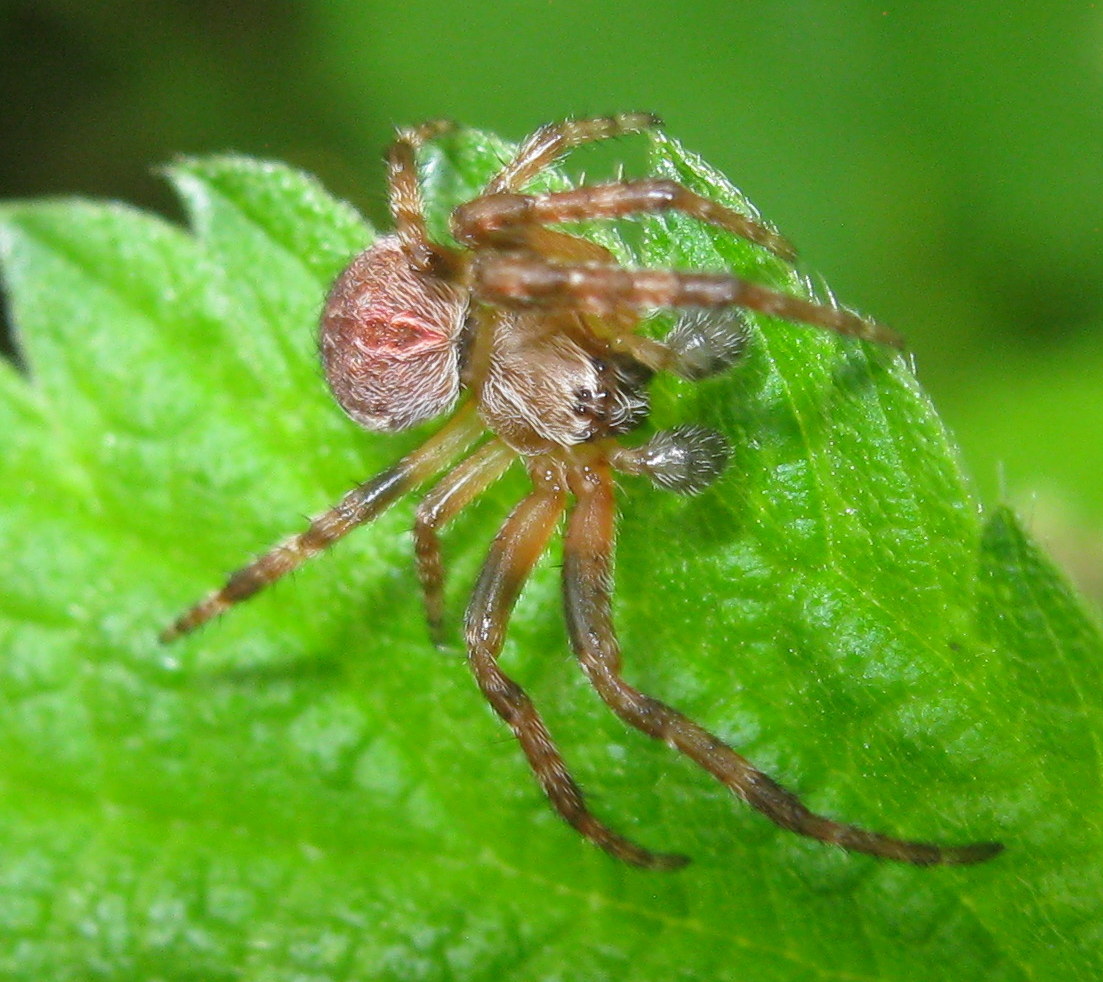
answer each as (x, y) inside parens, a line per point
(531, 334)
(707, 342)
(685, 459)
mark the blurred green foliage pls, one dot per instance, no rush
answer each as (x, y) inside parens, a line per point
(939, 163)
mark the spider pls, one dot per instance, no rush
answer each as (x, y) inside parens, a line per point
(532, 332)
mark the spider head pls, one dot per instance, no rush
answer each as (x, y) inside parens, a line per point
(542, 389)
(390, 339)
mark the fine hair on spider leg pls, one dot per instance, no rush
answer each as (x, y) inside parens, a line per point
(529, 336)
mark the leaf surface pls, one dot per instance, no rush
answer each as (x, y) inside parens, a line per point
(307, 789)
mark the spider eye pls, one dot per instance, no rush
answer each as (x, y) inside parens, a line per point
(584, 404)
(390, 339)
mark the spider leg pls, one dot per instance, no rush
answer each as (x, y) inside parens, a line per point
(407, 208)
(360, 505)
(587, 576)
(506, 218)
(545, 146)
(452, 494)
(520, 282)
(563, 247)
(515, 550)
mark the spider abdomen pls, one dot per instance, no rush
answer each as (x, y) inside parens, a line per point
(390, 340)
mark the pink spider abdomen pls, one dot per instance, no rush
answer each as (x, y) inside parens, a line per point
(390, 340)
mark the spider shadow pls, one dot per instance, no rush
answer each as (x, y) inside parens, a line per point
(308, 669)
(319, 660)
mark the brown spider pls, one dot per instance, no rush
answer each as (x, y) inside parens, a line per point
(538, 326)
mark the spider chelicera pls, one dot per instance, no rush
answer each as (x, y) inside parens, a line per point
(538, 328)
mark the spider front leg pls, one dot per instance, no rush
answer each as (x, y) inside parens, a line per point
(587, 579)
(522, 282)
(544, 147)
(515, 550)
(360, 505)
(404, 194)
(508, 219)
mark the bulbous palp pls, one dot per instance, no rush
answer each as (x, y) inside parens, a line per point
(707, 341)
(685, 459)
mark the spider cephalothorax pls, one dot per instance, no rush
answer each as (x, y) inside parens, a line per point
(530, 334)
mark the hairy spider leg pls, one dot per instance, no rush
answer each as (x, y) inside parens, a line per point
(562, 246)
(404, 187)
(547, 144)
(696, 351)
(508, 218)
(587, 583)
(520, 282)
(360, 505)
(519, 543)
(455, 491)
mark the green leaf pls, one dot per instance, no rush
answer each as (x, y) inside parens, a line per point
(307, 789)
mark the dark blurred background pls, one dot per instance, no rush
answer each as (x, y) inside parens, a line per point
(939, 163)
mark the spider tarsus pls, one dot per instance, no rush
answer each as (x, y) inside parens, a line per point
(782, 247)
(617, 846)
(785, 808)
(648, 121)
(621, 848)
(855, 839)
(426, 131)
(574, 132)
(171, 633)
(789, 813)
(659, 861)
(885, 335)
(438, 637)
(240, 586)
(662, 194)
(551, 141)
(207, 609)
